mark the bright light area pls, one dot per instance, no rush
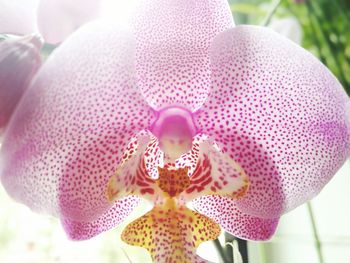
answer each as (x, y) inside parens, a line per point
(117, 10)
(27, 237)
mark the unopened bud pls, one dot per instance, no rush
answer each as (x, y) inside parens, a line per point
(19, 61)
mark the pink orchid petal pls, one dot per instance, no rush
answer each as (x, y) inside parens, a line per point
(70, 131)
(153, 158)
(18, 16)
(226, 213)
(278, 112)
(132, 177)
(19, 61)
(173, 39)
(114, 216)
(59, 18)
(213, 173)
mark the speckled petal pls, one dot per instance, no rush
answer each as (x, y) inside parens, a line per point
(18, 16)
(173, 39)
(213, 172)
(115, 215)
(279, 113)
(69, 134)
(131, 177)
(225, 212)
(59, 18)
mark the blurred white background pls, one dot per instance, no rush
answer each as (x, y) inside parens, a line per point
(294, 240)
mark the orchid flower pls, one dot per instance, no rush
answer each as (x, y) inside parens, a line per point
(19, 57)
(181, 108)
(19, 61)
(53, 19)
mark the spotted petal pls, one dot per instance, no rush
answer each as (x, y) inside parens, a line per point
(212, 172)
(59, 18)
(132, 176)
(173, 39)
(279, 113)
(69, 133)
(78, 230)
(18, 16)
(226, 213)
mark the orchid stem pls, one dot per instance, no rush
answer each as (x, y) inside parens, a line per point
(229, 252)
(243, 249)
(262, 252)
(272, 12)
(220, 250)
(318, 243)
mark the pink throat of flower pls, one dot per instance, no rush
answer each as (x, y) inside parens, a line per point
(175, 129)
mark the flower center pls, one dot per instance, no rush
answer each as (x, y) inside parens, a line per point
(173, 182)
(174, 129)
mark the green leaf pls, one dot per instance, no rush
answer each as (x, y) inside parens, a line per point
(247, 9)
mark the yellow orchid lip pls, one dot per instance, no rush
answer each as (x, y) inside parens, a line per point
(171, 232)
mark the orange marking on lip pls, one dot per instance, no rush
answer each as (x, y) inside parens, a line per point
(173, 181)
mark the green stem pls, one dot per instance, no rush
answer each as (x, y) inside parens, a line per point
(262, 252)
(228, 249)
(220, 250)
(272, 12)
(243, 249)
(318, 243)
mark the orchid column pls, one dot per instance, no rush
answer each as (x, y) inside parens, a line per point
(179, 107)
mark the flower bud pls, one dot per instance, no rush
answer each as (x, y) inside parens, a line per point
(19, 61)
